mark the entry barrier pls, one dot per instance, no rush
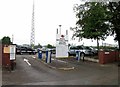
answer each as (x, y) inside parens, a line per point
(48, 56)
(78, 55)
(39, 54)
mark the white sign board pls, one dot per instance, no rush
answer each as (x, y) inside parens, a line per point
(12, 49)
(12, 52)
(12, 56)
(61, 51)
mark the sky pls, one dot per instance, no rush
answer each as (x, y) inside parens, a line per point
(16, 20)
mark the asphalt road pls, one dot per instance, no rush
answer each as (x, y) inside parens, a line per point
(38, 73)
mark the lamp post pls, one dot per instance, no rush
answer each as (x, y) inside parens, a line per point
(60, 28)
(12, 38)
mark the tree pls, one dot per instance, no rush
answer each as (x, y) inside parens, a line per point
(114, 12)
(49, 46)
(92, 21)
(6, 40)
(38, 46)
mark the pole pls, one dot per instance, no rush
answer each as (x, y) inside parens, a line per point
(12, 38)
(60, 28)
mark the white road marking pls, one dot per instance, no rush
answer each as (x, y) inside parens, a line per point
(33, 57)
(52, 59)
(58, 60)
(62, 61)
(27, 62)
(69, 68)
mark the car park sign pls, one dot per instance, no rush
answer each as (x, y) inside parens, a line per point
(61, 44)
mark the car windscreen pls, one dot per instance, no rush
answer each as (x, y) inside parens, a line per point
(88, 48)
(80, 47)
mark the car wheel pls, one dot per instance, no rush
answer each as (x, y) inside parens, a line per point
(21, 53)
(93, 53)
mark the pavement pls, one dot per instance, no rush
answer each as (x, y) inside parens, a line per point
(57, 64)
(70, 63)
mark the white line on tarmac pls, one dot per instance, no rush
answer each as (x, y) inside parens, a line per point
(62, 61)
(33, 57)
(52, 59)
(69, 68)
(58, 60)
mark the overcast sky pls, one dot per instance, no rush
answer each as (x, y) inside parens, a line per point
(16, 16)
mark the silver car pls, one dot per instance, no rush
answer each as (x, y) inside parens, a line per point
(94, 51)
(82, 49)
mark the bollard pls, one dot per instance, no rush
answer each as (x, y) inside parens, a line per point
(48, 56)
(78, 55)
(39, 54)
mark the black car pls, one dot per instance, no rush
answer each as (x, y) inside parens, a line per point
(24, 50)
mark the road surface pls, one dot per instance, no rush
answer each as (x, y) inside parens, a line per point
(36, 72)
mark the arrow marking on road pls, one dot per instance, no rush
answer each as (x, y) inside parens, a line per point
(27, 62)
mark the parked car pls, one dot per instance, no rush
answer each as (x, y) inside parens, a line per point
(82, 49)
(44, 49)
(93, 50)
(53, 50)
(22, 50)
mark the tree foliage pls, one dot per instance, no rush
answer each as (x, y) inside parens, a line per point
(6, 40)
(49, 46)
(38, 46)
(92, 21)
